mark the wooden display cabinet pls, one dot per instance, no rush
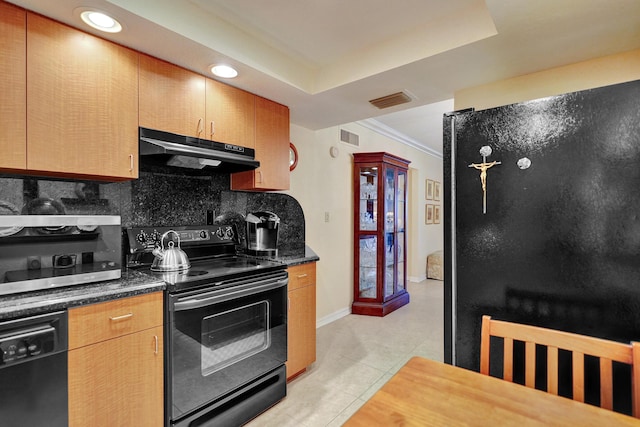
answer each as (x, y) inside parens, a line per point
(380, 217)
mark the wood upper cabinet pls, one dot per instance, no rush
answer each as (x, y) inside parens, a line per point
(231, 115)
(116, 363)
(172, 99)
(82, 103)
(301, 319)
(272, 150)
(13, 110)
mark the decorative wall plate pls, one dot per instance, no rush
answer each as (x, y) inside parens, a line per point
(293, 156)
(7, 208)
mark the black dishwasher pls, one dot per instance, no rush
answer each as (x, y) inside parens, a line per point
(33, 371)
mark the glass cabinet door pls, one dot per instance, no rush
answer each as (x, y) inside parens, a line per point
(389, 232)
(368, 267)
(400, 220)
(368, 198)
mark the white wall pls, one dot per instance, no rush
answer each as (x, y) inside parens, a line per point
(324, 184)
(598, 72)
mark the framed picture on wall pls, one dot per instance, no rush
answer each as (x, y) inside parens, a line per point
(428, 214)
(436, 191)
(436, 214)
(429, 190)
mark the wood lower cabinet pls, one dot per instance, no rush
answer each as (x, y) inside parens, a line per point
(116, 370)
(172, 99)
(13, 87)
(82, 103)
(272, 150)
(301, 322)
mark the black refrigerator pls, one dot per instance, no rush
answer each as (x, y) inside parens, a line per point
(542, 219)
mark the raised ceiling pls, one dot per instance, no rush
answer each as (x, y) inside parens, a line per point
(326, 59)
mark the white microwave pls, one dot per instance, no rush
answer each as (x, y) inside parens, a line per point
(49, 251)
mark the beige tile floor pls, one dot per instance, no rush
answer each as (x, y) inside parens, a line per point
(356, 355)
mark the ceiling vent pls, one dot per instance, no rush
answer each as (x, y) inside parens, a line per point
(349, 138)
(391, 100)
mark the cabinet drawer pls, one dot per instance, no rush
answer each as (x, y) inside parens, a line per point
(99, 322)
(302, 275)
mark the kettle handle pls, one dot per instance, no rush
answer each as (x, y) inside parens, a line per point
(171, 242)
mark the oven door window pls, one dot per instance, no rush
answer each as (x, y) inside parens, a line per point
(234, 335)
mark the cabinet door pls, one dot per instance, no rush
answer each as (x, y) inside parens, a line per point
(82, 103)
(13, 110)
(118, 382)
(301, 320)
(272, 150)
(172, 99)
(301, 329)
(231, 115)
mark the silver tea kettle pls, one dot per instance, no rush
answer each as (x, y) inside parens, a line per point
(171, 259)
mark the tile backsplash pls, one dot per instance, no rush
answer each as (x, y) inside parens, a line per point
(161, 197)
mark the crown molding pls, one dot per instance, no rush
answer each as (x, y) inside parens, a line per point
(382, 129)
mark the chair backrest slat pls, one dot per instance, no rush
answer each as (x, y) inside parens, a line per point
(579, 345)
(530, 364)
(606, 383)
(578, 376)
(507, 370)
(635, 374)
(552, 370)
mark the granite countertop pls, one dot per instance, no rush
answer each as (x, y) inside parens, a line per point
(130, 284)
(296, 257)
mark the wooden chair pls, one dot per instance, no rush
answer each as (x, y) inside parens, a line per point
(578, 345)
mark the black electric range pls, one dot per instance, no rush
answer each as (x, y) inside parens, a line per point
(212, 251)
(225, 325)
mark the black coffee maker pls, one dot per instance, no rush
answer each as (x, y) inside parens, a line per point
(262, 233)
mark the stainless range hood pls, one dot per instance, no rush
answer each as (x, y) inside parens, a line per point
(157, 147)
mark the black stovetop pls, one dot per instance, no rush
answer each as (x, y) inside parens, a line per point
(216, 271)
(212, 251)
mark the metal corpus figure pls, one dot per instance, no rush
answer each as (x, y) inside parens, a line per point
(482, 167)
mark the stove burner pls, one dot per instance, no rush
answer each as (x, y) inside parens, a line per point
(196, 272)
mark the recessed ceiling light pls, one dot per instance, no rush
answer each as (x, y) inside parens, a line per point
(100, 21)
(224, 71)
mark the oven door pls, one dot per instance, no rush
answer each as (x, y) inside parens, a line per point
(224, 337)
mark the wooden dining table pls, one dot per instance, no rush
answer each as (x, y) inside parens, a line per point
(429, 393)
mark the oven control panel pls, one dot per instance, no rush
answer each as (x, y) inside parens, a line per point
(145, 239)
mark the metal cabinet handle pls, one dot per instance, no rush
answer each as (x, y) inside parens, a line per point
(155, 337)
(300, 276)
(213, 128)
(131, 162)
(260, 174)
(123, 317)
(199, 130)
